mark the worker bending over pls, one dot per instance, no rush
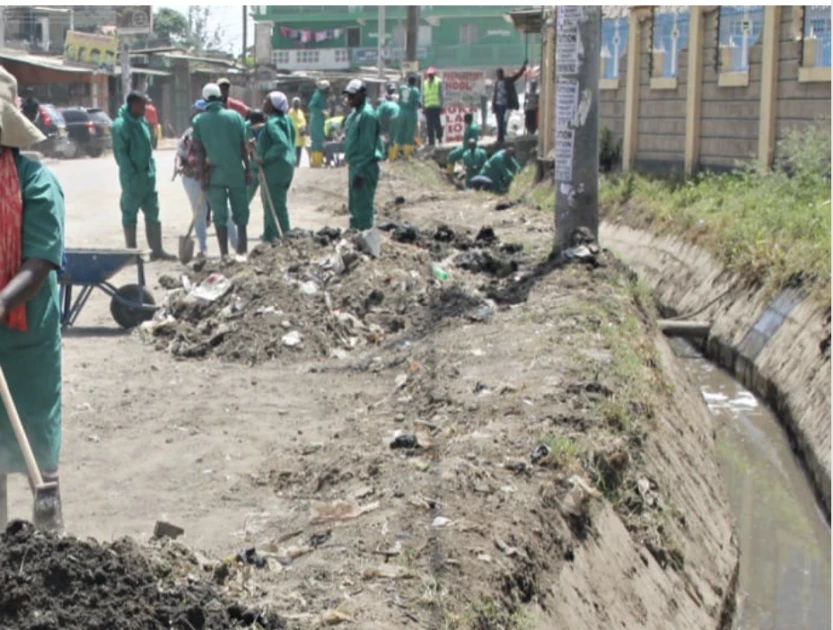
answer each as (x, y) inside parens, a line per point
(223, 158)
(362, 152)
(388, 114)
(407, 123)
(133, 150)
(497, 174)
(473, 158)
(318, 108)
(276, 155)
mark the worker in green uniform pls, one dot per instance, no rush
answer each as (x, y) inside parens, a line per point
(362, 151)
(388, 114)
(472, 130)
(133, 151)
(221, 154)
(319, 107)
(409, 101)
(473, 158)
(32, 234)
(276, 156)
(255, 123)
(498, 172)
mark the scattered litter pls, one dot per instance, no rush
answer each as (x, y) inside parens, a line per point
(440, 521)
(212, 288)
(334, 618)
(401, 380)
(308, 288)
(387, 571)
(163, 529)
(439, 273)
(291, 339)
(339, 510)
(541, 451)
(251, 557)
(405, 440)
(370, 242)
(506, 549)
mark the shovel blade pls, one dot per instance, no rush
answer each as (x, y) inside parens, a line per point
(186, 249)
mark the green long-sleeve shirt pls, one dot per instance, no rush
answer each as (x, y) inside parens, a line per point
(362, 143)
(276, 142)
(472, 131)
(318, 105)
(387, 111)
(473, 160)
(409, 99)
(222, 133)
(132, 147)
(501, 173)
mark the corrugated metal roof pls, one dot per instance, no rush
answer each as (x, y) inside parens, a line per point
(42, 61)
(148, 71)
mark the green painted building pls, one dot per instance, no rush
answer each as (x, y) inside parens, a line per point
(343, 37)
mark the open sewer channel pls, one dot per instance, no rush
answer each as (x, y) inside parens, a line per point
(784, 579)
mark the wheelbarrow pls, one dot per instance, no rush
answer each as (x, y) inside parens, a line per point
(89, 269)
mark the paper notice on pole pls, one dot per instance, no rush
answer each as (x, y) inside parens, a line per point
(566, 102)
(565, 140)
(569, 16)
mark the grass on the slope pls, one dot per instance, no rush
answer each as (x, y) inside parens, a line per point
(770, 225)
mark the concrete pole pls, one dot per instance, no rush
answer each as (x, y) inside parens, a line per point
(577, 42)
(380, 58)
(412, 33)
(2, 27)
(125, 69)
(245, 38)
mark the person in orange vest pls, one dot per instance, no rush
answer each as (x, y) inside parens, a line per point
(432, 105)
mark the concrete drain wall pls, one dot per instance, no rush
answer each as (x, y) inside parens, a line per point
(779, 348)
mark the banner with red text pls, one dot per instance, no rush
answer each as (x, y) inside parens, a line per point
(453, 123)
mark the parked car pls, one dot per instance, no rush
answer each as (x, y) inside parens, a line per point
(51, 122)
(88, 130)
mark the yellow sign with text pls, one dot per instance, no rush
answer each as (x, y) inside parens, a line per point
(89, 49)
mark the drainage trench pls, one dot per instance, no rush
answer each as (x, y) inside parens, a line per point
(784, 578)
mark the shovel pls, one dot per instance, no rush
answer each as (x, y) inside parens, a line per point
(47, 511)
(186, 243)
(262, 179)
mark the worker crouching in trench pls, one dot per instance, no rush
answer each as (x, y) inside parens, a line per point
(275, 156)
(31, 255)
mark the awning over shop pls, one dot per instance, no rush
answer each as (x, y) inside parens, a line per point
(42, 61)
(146, 71)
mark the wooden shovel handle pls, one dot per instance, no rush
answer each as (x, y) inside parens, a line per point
(196, 211)
(20, 434)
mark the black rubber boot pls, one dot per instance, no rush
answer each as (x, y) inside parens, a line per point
(153, 231)
(242, 240)
(130, 236)
(222, 240)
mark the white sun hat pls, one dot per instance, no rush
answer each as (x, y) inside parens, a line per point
(16, 131)
(211, 90)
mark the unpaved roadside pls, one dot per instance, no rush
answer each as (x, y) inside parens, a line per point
(620, 520)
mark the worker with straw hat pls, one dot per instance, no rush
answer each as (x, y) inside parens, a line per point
(31, 256)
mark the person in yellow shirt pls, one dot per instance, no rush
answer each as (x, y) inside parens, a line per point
(299, 121)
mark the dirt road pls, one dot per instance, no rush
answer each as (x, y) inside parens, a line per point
(547, 477)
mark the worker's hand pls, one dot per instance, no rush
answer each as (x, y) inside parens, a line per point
(249, 177)
(3, 310)
(358, 182)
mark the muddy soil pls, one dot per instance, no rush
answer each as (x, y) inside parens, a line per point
(52, 583)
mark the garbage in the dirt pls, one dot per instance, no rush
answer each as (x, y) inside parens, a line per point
(583, 246)
(335, 617)
(506, 549)
(251, 557)
(339, 510)
(440, 273)
(541, 451)
(440, 521)
(401, 380)
(292, 339)
(404, 440)
(163, 529)
(370, 242)
(212, 288)
(308, 288)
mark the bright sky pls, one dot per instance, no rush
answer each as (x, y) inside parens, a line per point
(230, 17)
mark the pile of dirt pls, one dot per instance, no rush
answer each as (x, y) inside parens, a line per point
(54, 583)
(319, 294)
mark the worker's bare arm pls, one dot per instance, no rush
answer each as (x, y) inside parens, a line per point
(25, 285)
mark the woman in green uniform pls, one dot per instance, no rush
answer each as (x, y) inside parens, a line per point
(31, 253)
(276, 157)
(254, 125)
(318, 108)
(409, 100)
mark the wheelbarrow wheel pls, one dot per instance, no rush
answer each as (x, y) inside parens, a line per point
(130, 316)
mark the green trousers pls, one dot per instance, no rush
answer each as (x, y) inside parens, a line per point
(316, 132)
(220, 197)
(406, 128)
(136, 195)
(360, 200)
(278, 179)
(251, 189)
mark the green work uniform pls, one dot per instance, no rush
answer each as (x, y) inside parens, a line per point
(222, 133)
(276, 148)
(472, 131)
(251, 189)
(137, 170)
(500, 172)
(409, 99)
(388, 115)
(31, 360)
(473, 159)
(318, 108)
(362, 152)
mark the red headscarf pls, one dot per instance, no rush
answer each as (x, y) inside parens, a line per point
(11, 232)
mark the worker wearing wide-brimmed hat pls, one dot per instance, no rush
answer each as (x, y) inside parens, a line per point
(31, 253)
(362, 151)
(318, 108)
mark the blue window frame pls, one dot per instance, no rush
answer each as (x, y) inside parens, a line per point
(614, 45)
(740, 29)
(670, 37)
(817, 30)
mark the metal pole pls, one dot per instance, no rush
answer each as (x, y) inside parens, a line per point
(577, 44)
(412, 34)
(2, 27)
(380, 58)
(126, 83)
(245, 34)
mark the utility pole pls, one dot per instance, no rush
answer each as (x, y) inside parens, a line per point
(412, 33)
(126, 84)
(2, 27)
(380, 58)
(577, 44)
(245, 37)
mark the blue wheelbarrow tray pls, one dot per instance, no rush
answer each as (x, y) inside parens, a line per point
(89, 269)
